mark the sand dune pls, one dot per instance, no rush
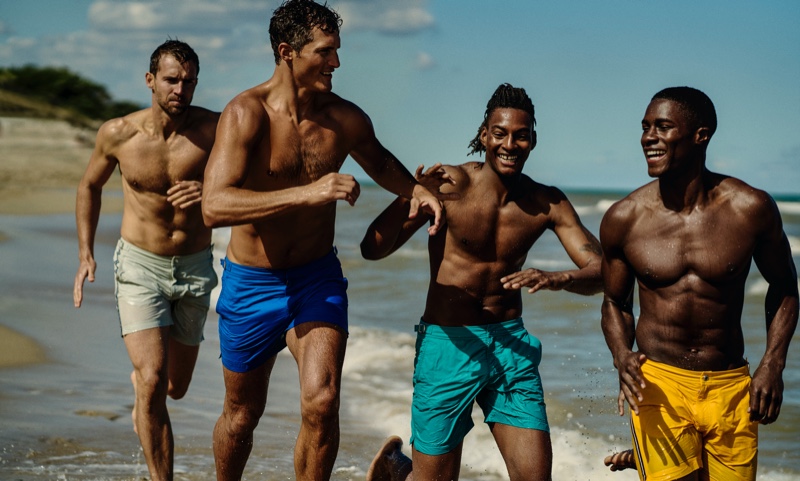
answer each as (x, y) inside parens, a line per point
(41, 164)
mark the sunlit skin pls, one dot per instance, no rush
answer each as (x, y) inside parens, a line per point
(477, 268)
(687, 240)
(161, 153)
(273, 176)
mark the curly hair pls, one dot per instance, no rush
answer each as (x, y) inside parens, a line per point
(293, 21)
(697, 106)
(505, 96)
(180, 50)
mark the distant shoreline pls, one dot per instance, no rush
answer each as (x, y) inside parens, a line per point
(19, 350)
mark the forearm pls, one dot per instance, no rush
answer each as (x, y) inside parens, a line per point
(389, 231)
(395, 178)
(619, 329)
(586, 280)
(87, 217)
(231, 206)
(781, 310)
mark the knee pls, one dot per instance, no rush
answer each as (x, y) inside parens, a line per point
(242, 418)
(177, 389)
(320, 406)
(150, 383)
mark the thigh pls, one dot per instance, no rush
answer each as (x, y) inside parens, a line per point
(528, 453)
(246, 392)
(731, 443)
(147, 349)
(318, 348)
(444, 467)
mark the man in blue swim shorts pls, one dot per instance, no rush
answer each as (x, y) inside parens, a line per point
(274, 177)
(472, 344)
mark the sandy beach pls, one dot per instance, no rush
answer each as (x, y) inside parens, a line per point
(42, 163)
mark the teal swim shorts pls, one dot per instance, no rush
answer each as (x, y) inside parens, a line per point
(496, 365)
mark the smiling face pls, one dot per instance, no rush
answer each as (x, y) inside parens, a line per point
(509, 138)
(314, 64)
(670, 142)
(173, 85)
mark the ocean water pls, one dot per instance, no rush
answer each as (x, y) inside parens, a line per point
(69, 418)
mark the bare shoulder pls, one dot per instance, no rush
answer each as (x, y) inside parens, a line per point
(246, 114)
(626, 211)
(343, 111)
(202, 117)
(744, 201)
(119, 130)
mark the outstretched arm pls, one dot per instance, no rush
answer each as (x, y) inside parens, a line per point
(581, 246)
(392, 175)
(617, 321)
(88, 200)
(393, 227)
(773, 256)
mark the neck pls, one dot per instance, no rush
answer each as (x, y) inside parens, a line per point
(292, 97)
(683, 191)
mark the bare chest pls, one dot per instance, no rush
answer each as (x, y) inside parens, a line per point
(153, 166)
(300, 154)
(488, 231)
(705, 248)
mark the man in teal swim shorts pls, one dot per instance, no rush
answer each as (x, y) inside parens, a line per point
(472, 344)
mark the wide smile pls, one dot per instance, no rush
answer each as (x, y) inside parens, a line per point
(507, 159)
(653, 155)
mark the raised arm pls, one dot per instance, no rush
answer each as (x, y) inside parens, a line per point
(617, 320)
(773, 256)
(581, 246)
(89, 197)
(227, 201)
(393, 227)
(391, 174)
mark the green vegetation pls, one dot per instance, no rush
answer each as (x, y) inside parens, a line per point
(56, 92)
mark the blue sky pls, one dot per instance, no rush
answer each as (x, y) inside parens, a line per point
(424, 70)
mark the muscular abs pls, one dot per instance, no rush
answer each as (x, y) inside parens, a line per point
(149, 220)
(691, 275)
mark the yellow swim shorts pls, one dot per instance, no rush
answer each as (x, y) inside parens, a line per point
(690, 420)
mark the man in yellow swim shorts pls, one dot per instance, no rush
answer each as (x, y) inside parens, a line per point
(687, 239)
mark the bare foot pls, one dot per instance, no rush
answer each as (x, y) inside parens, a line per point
(390, 464)
(620, 461)
(133, 412)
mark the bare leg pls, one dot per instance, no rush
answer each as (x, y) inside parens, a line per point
(527, 452)
(245, 400)
(319, 351)
(444, 467)
(620, 461)
(390, 464)
(147, 350)
(180, 367)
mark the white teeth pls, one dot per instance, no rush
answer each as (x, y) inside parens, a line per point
(654, 153)
(509, 158)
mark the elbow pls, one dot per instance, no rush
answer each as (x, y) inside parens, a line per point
(212, 217)
(369, 252)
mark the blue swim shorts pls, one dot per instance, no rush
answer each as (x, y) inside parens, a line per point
(496, 365)
(257, 306)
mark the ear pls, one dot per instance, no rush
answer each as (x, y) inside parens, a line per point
(702, 135)
(534, 139)
(483, 135)
(285, 52)
(150, 80)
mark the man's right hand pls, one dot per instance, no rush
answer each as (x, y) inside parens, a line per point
(333, 187)
(631, 380)
(85, 270)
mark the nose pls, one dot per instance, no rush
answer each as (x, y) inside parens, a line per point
(178, 88)
(334, 62)
(509, 143)
(649, 136)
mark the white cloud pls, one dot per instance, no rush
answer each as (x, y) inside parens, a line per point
(385, 16)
